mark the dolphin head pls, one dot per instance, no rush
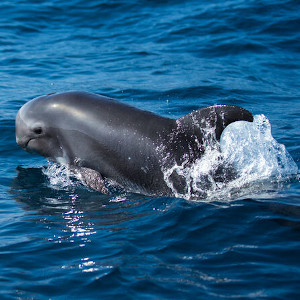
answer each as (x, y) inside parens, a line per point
(41, 126)
(37, 128)
(61, 127)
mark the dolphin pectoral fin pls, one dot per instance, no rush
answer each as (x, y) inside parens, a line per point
(91, 179)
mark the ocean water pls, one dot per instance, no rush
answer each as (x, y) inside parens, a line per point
(61, 240)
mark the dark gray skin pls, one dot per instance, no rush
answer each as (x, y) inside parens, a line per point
(103, 138)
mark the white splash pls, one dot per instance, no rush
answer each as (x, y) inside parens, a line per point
(253, 151)
(250, 151)
(59, 175)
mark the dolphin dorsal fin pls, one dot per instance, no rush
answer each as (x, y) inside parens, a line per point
(215, 117)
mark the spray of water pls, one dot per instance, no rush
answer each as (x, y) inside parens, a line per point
(251, 148)
(59, 175)
(249, 160)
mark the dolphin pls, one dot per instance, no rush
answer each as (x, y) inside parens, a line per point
(104, 140)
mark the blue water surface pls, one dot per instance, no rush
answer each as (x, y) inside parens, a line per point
(64, 241)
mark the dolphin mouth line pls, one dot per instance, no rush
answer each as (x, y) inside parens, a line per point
(24, 145)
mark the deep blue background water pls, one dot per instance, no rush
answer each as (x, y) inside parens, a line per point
(170, 57)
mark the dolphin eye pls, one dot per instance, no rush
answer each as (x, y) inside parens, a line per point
(38, 130)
